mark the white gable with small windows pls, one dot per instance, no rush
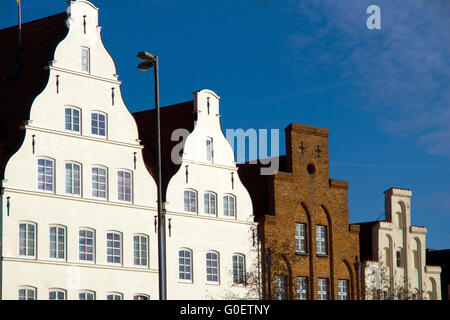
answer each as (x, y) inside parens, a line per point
(212, 242)
(80, 197)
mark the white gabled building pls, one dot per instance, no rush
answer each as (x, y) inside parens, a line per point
(77, 201)
(394, 254)
(212, 248)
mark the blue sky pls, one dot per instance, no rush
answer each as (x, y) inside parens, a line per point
(383, 94)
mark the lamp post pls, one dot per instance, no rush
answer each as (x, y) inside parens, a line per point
(357, 265)
(148, 61)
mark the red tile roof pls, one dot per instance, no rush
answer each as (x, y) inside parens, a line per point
(172, 117)
(23, 77)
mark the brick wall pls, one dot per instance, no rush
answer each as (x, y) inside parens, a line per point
(298, 195)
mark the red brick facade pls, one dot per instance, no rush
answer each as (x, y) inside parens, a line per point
(298, 195)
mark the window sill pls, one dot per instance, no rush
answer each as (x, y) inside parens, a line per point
(299, 253)
(322, 255)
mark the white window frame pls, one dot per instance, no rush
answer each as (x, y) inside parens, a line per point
(113, 248)
(227, 207)
(57, 291)
(321, 240)
(343, 290)
(45, 175)
(207, 203)
(27, 290)
(300, 238)
(114, 295)
(27, 240)
(85, 293)
(322, 289)
(57, 242)
(72, 117)
(141, 296)
(97, 126)
(140, 253)
(302, 288)
(210, 268)
(80, 245)
(182, 264)
(93, 190)
(209, 149)
(72, 176)
(121, 186)
(280, 287)
(189, 205)
(85, 65)
(239, 276)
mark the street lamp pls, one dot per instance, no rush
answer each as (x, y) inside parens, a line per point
(148, 61)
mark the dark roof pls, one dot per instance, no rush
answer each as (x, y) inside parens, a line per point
(172, 117)
(23, 76)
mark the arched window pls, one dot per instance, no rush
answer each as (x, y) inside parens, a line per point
(190, 200)
(229, 205)
(114, 247)
(141, 297)
(210, 203)
(27, 293)
(86, 247)
(212, 267)
(72, 119)
(114, 296)
(45, 174)
(86, 295)
(73, 178)
(140, 250)
(185, 265)
(124, 185)
(238, 268)
(57, 294)
(27, 239)
(58, 242)
(99, 182)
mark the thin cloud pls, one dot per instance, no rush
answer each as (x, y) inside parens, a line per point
(402, 71)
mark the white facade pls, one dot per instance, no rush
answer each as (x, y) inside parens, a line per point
(398, 250)
(208, 170)
(107, 138)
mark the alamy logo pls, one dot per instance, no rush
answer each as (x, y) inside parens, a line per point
(374, 20)
(255, 139)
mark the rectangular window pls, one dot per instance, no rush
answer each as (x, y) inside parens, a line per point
(209, 149)
(86, 245)
(27, 239)
(27, 294)
(229, 206)
(342, 289)
(302, 288)
(321, 239)
(45, 175)
(98, 124)
(280, 287)
(73, 178)
(57, 242)
(185, 265)
(210, 203)
(99, 182)
(238, 269)
(399, 258)
(85, 59)
(124, 185)
(322, 289)
(72, 116)
(114, 247)
(190, 201)
(300, 237)
(212, 267)
(140, 250)
(57, 294)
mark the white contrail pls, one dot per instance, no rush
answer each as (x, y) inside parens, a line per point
(387, 166)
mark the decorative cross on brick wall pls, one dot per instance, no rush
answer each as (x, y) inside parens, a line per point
(318, 151)
(302, 147)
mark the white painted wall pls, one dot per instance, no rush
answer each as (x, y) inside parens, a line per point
(397, 233)
(88, 92)
(197, 231)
